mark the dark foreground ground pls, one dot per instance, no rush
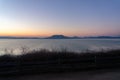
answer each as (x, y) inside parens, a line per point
(103, 74)
(61, 65)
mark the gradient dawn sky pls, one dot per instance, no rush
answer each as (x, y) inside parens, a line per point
(68, 17)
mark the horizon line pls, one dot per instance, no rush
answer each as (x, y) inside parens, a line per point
(61, 34)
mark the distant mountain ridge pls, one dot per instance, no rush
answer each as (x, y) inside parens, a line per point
(58, 37)
(62, 37)
(76, 37)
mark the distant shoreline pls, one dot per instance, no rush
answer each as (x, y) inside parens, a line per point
(58, 39)
(62, 37)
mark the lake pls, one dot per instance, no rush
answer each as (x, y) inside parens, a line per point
(77, 45)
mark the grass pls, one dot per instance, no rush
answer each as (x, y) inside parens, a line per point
(45, 61)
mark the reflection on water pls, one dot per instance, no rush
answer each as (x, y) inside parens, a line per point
(14, 45)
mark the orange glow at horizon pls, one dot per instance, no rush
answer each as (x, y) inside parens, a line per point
(11, 27)
(44, 33)
(40, 35)
(19, 34)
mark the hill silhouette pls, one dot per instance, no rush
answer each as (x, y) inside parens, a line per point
(58, 37)
(62, 37)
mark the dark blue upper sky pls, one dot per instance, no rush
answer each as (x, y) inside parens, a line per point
(69, 17)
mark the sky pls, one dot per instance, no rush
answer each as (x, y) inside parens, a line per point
(68, 17)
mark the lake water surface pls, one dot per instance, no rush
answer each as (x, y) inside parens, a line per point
(59, 44)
